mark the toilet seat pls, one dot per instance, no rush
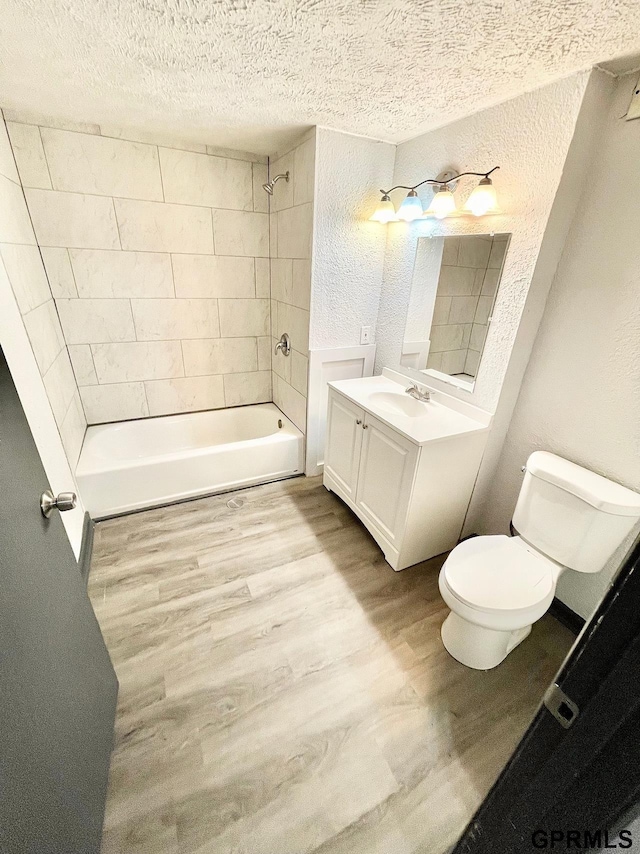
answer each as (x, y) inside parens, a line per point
(499, 574)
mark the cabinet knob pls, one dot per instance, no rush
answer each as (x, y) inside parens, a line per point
(358, 421)
(364, 426)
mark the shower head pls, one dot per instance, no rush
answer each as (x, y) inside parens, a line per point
(269, 187)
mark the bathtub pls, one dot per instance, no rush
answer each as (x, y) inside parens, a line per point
(131, 465)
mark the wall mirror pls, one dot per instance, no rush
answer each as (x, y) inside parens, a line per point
(453, 290)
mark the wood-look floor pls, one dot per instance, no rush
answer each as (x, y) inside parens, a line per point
(283, 691)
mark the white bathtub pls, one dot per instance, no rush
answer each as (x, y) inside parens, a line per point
(135, 464)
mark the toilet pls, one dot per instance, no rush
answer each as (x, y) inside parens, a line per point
(566, 517)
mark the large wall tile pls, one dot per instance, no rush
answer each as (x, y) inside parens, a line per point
(219, 356)
(15, 224)
(299, 368)
(199, 179)
(119, 132)
(72, 430)
(59, 272)
(60, 385)
(31, 117)
(82, 364)
(264, 353)
(29, 154)
(295, 226)
(26, 274)
(263, 278)
(295, 321)
(242, 317)
(301, 283)
(96, 321)
(73, 220)
(185, 395)
(282, 279)
(137, 360)
(241, 233)
(243, 389)
(7, 161)
(291, 402)
(82, 163)
(260, 196)
(304, 172)
(214, 276)
(172, 319)
(158, 227)
(283, 191)
(45, 334)
(104, 274)
(119, 402)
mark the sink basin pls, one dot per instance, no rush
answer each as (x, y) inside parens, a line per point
(398, 404)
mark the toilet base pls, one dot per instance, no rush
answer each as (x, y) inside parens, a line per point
(478, 647)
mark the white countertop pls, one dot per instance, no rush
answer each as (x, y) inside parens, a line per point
(444, 416)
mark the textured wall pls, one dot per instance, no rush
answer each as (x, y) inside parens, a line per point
(580, 397)
(245, 73)
(528, 138)
(158, 261)
(33, 344)
(348, 250)
(291, 231)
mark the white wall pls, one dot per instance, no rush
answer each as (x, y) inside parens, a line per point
(33, 345)
(348, 250)
(158, 260)
(528, 137)
(580, 397)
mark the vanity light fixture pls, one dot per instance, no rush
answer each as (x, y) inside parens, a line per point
(482, 200)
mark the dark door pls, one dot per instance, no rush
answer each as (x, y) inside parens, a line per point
(573, 782)
(58, 688)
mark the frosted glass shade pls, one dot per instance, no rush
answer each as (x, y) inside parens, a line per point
(483, 199)
(411, 208)
(385, 212)
(442, 203)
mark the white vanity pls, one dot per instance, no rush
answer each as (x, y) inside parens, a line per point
(405, 467)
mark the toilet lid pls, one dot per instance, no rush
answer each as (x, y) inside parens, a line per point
(498, 573)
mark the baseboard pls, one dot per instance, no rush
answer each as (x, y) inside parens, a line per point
(563, 614)
(86, 547)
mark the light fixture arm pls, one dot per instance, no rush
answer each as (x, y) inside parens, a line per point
(439, 183)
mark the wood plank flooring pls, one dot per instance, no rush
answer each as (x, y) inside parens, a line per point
(283, 691)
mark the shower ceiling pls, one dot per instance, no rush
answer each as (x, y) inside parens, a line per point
(252, 73)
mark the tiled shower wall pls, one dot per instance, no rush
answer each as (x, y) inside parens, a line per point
(21, 263)
(467, 284)
(291, 231)
(158, 259)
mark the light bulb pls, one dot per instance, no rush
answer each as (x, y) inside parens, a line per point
(411, 208)
(483, 199)
(385, 212)
(442, 203)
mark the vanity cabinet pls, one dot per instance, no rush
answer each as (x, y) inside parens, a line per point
(411, 497)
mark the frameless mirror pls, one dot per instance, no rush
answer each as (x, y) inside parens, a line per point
(453, 290)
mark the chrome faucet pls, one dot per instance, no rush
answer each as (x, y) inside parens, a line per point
(284, 344)
(414, 392)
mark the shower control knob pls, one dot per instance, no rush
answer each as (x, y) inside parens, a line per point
(63, 501)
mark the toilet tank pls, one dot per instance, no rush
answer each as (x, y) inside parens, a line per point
(571, 514)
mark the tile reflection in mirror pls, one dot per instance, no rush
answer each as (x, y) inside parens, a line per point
(453, 290)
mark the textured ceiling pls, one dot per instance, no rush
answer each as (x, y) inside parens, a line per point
(252, 73)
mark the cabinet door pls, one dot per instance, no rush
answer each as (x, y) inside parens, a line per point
(344, 439)
(385, 481)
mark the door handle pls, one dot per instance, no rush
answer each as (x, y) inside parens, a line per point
(63, 501)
